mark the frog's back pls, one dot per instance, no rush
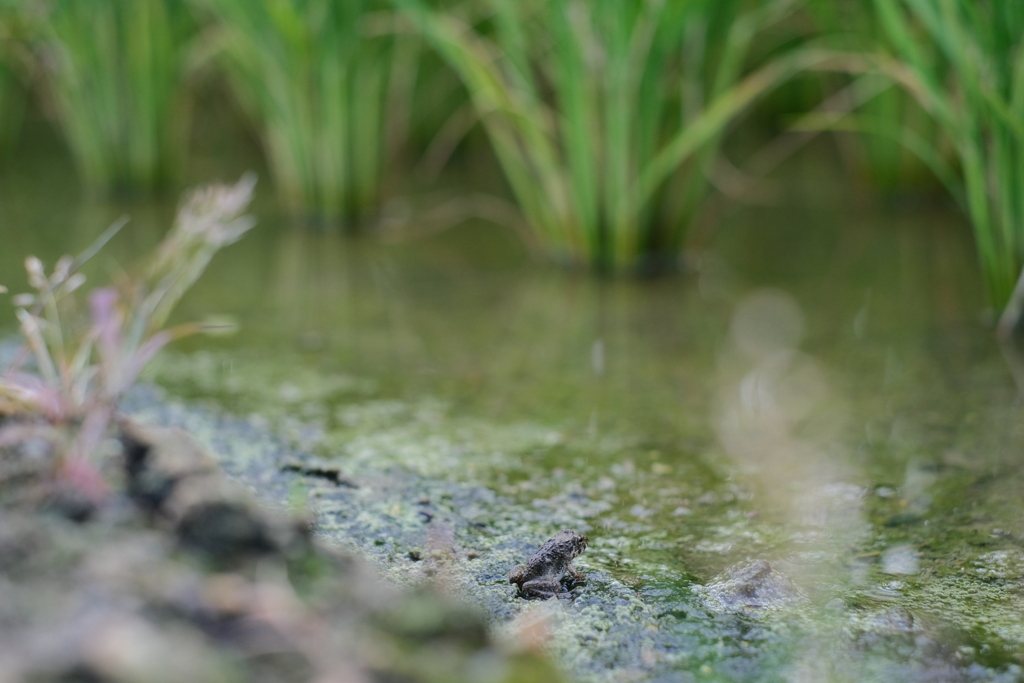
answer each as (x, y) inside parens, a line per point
(559, 550)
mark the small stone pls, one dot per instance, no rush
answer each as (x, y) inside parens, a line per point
(750, 587)
(640, 511)
(900, 560)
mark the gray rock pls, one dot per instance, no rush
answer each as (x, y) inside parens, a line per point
(751, 586)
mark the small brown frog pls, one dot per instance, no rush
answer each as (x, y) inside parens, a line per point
(549, 573)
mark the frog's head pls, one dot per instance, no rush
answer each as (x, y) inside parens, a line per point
(571, 543)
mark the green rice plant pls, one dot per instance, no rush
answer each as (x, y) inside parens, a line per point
(313, 75)
(605, 115)
(886, 120)
(963, 61)
(114, 71)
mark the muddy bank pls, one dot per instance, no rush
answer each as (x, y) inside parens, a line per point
(460, 537)
(631, 621)
(164, 569)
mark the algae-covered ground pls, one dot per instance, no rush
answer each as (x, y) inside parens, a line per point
(895, 578)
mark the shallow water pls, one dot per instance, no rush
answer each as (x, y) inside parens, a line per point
(820, 391)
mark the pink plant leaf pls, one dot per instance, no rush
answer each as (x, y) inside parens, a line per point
(107, 321)
(79, 469)
(24, 381)
(85, 477)
(138, 360)
(92, 431)
(32, 391)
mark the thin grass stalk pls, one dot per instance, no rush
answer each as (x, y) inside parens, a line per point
(115, 72)
(894, 116)
(314, 80)
(585, 104)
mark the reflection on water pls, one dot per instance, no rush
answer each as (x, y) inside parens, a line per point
(785, 427)
(820, 394)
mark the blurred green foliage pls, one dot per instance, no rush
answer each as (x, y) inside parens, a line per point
(114, 73)
(600, 111)
(963, 61)
(313, 75)
(606, 116)
(887, 123)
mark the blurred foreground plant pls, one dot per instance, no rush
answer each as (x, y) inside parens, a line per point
(314, 78)
(606, 115)
(114, 71)
(963, 60)
(86, 360)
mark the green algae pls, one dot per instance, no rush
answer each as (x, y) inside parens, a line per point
(541, 478)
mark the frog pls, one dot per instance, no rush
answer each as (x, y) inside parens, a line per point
(549, 572)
